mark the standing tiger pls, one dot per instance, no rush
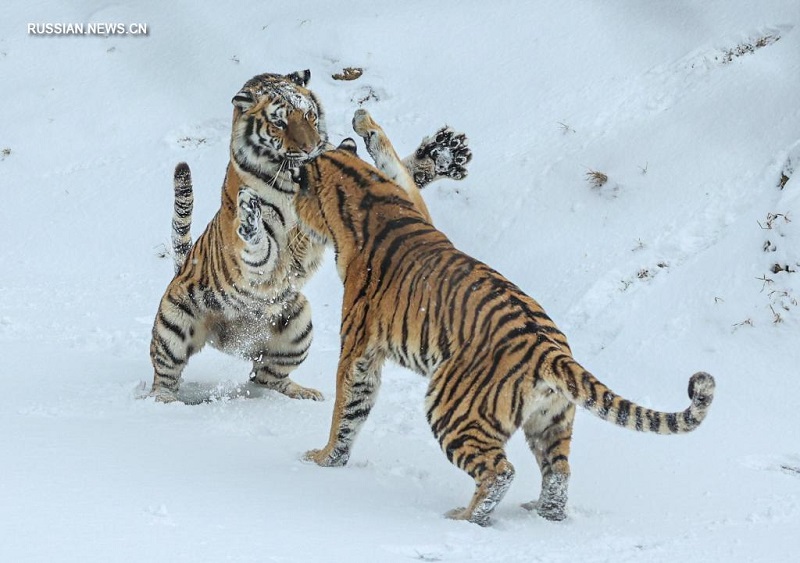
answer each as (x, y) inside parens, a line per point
(496, 361)
(238, 287)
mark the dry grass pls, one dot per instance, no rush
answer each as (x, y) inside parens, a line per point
(596, 179)
(349, 73)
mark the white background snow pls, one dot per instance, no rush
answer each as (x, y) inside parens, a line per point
(659, 273)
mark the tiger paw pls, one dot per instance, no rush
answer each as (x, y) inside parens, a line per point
(249, 230)
(296, 391)
(443, 155)
(462, 513)
(327, 457)
(548, 511)
(363, 124)
(163, 395)
(378, 145)
(287, 387)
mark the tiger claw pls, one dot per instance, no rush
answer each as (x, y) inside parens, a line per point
(447, 154)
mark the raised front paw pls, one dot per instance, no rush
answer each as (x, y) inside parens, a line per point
(443, 155)
(250, 230)
(363, 124)
(327, 457)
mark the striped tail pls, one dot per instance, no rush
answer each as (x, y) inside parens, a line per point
(585, 390)
(182, 214)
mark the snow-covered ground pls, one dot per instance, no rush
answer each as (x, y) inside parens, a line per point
(677, 264)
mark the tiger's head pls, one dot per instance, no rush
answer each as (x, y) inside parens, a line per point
(277, 123)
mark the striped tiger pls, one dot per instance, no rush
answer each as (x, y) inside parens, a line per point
(238, 286)
(496, 361)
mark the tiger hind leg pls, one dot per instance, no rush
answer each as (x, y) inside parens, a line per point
(284, 349)
(178, 333)
(493, 475)
(548, 432)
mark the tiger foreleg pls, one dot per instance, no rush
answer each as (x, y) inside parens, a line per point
(380, 148)
(356, 390)
(382, 151)
(259, 253)
(250, 229)
(284, 349)
(445, 154)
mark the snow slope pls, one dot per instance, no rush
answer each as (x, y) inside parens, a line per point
(689, 108)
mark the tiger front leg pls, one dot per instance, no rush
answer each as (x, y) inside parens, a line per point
(250, 229)
(258, 255)
(445, 154)
(380, 148)
(382, 151)
(357, 383)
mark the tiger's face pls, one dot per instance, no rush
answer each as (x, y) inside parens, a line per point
(277, 122)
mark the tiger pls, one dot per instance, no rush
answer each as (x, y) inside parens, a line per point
(238, 286)
(495, 359)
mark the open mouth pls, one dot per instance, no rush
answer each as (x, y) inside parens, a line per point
(295, 159)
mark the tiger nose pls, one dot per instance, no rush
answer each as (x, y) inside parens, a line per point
(306, 140)
(303, 135)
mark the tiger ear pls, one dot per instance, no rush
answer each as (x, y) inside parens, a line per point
(301, 77)
(243, 100)
(348, 145)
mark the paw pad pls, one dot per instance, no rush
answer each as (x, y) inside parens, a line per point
(449, 152)
(249, 217)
